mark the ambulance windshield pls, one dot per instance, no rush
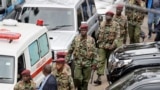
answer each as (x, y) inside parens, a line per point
(7, 69)
(52, 17)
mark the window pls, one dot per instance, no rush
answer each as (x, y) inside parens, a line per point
(86, 11)
(52, 17)
(7, 69)
(21, 66)
(38, 49)
(34, 52)
(9, 3)
(92, 7)
(43, 45)
(79, 16)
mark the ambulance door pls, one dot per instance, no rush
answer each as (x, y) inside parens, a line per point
(21, 66)
(40, 54)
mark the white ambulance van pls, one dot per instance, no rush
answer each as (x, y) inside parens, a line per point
(62, 18)
(22, 46)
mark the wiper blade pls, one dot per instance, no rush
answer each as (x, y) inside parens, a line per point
(5, 78)
(58, 27)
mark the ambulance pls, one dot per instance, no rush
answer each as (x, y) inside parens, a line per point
(22, 46)
(62, 18)
(7, 8)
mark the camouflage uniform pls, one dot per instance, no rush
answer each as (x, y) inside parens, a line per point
(102, 41)
(122, 21)
(21, 85)
(84, 55)
(135, 19)
(64, 78)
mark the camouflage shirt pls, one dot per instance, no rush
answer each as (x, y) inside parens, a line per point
(64, 78)
(135, 16)
(104, 30)
(83, 50)
(122, 21)
(21, 85)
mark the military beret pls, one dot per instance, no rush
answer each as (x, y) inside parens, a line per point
(110, 13)
(60, 60)
(61, 54)
(119, 6)
(25, 72)
(84, 26)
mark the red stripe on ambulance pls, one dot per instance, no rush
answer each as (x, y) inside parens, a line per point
(41, 67)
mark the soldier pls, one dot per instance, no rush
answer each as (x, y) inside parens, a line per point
(84, 55)
(26, 83)
(62, 72)
(122, 20)
(135, 19)
(105, 28)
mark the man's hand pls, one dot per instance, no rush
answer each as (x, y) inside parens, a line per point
(94, 66)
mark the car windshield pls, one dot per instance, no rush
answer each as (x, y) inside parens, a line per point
(7, 69)
(120, 83)
(53, 18)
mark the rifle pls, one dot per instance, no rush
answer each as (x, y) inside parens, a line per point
(92, 74)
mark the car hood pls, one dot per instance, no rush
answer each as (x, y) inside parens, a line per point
(137, 51)
(61, 40)
(6, 86)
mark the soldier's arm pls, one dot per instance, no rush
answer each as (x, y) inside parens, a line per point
(114, 45)
(70, 51)
(16, 87)
(100, 32)
(34, 86)
(71, 83)
(94, 61)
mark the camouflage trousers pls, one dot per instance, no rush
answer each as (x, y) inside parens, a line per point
(82, 77)
(120, 41)
(134, 33)
(103, 60)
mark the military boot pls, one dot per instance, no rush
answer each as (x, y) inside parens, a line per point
(98, 81)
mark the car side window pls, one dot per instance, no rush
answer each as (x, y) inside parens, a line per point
(34, 52)
(21, 66)
(80, 17)
(86, 10)
(92, 7)
(43, 45)
(9, 3)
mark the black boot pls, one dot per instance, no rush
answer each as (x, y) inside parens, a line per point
(98, 81)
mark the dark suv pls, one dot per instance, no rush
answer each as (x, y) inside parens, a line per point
(128, 58)
(147, 78)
